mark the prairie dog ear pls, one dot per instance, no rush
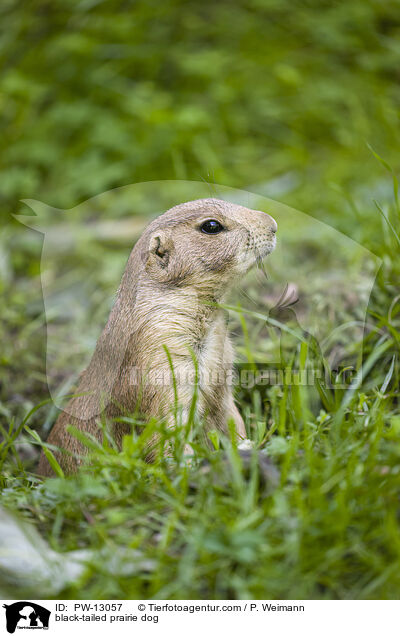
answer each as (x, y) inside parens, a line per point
(159, 254)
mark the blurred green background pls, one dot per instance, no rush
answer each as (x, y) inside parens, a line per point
(95, 95)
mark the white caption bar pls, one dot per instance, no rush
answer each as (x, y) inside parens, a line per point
(184, 617)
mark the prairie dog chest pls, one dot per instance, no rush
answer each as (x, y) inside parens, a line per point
(215, 356)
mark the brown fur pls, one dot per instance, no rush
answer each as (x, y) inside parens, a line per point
(174, 277)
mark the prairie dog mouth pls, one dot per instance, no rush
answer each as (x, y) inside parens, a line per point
(258, 249)
(264, 245)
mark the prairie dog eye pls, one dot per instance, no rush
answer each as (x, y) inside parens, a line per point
(211, 227)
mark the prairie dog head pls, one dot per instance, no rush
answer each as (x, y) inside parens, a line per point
(206, 243)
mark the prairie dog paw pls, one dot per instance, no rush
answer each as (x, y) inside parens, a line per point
(245, 444)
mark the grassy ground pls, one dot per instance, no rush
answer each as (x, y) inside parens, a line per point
(326, 525)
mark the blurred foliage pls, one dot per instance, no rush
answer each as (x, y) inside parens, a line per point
(95, 95)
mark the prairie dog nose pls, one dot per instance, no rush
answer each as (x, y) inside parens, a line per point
(273, 224)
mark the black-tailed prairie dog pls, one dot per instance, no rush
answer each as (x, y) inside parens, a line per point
(166, 311)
